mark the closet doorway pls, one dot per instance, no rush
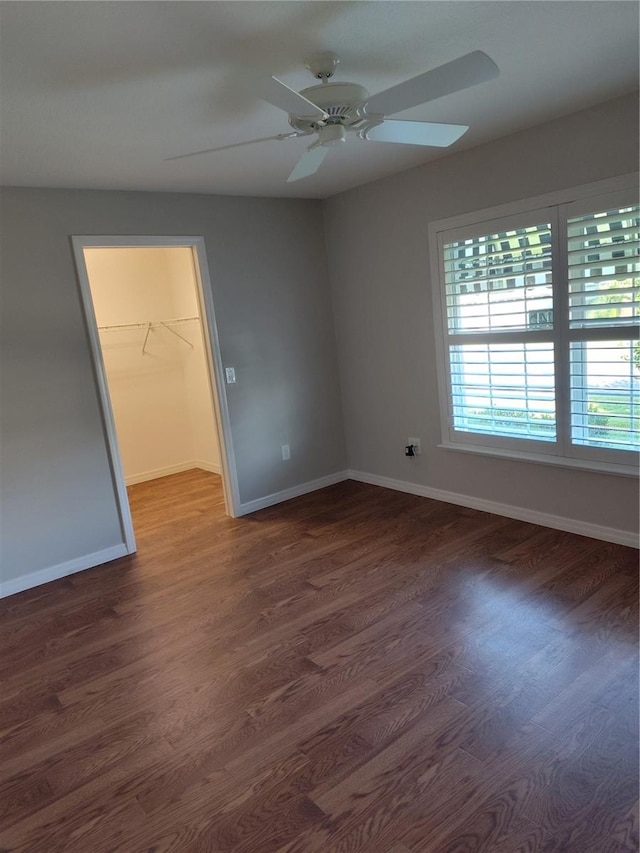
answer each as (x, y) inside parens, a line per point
(149, 312)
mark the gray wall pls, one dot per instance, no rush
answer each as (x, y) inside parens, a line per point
(379, 270)
(267, 262)
(268, 266)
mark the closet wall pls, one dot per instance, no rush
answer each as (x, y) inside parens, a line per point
(158, 382)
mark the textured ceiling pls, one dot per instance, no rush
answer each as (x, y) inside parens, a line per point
(97, 94)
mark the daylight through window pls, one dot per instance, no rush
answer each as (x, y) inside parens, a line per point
(541, 315)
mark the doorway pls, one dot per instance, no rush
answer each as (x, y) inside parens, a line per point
(150, 318)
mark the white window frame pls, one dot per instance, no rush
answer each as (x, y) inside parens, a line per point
(556, 208)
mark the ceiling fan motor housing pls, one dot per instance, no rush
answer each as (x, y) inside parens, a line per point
(335, 99)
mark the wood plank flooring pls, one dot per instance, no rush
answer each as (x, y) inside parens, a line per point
(354, 670)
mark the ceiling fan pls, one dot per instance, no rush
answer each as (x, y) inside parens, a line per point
(331, 111)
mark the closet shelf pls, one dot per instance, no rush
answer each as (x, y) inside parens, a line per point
(153, 325)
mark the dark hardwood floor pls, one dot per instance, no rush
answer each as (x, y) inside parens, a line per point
(354, 670)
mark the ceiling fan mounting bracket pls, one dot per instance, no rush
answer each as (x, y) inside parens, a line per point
(323, 65)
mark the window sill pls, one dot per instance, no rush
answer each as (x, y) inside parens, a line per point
(543, 459)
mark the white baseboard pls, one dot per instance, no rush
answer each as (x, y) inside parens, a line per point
(145, 476)
(53, 573)
(89, 561)
(214, 467)
(293, 492)
(569, 525)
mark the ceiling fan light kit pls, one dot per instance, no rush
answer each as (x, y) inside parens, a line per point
(331, 111)
(331, 134)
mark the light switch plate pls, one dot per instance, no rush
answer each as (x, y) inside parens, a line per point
(230, 373)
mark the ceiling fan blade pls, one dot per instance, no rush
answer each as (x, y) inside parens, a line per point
(236, 145)
(417, 133)
(276, 92)
(462, 73)
(308, 164)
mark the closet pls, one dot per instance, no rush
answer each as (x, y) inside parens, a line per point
(146, 306)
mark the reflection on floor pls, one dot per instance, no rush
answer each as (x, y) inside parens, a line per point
(353, 670)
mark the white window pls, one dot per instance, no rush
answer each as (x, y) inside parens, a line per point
(539, 350)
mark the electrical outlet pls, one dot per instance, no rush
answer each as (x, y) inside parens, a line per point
(417, 450)
(286, 452)
(230, 375)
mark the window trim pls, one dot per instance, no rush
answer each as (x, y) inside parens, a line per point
(556, 207)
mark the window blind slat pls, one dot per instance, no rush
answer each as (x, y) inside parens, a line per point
(611, 252)
(586, 228)
(605, 393)
(613, 291)
(499, 281)
(505, 389)
(604, 290)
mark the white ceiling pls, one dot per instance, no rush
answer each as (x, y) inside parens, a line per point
(98, 94)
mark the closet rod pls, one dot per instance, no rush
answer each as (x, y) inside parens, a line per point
(149, 324)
